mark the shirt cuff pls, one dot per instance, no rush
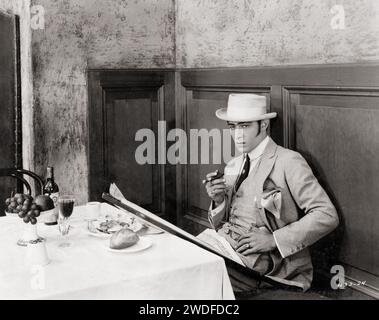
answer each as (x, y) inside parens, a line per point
(277, 245)
(215, 215)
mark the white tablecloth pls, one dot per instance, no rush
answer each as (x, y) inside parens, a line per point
(171, 269)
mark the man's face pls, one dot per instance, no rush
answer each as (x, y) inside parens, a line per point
(246, 135)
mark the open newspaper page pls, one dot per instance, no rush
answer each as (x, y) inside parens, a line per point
(220, 244)
(208, 237)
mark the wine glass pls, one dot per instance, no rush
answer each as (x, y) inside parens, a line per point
(66, 206)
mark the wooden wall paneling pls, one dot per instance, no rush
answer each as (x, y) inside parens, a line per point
(332, 75)
(302, 96)
(127, 111)
(97, 181)
(276, 125)
(168, 171)
(180, 120)
(317, 90)
(121, 103)
(138, 108)
(337, 131)
(188, 96)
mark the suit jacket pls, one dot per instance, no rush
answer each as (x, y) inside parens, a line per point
(293, 206)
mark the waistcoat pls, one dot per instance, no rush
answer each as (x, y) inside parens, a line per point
(244, 212)
(243, 215)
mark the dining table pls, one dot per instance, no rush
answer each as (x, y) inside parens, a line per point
(171, 268)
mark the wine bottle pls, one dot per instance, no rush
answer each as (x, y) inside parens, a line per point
(51, 189)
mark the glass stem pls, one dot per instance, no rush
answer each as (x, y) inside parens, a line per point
(64, 226)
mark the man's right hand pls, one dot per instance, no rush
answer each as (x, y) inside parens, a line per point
(215, 188)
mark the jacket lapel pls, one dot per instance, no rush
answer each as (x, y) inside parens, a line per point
(266, 164)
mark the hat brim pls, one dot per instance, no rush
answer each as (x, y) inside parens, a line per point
(222, 114)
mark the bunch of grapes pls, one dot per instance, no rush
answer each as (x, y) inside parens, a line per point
(24, 205)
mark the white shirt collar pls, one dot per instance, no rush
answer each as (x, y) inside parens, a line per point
(259, 149)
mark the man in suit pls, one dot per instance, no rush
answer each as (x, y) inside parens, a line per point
(269, 205)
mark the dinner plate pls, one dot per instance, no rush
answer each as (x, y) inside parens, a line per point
(142, 244)
(93, 231)
(99, 234)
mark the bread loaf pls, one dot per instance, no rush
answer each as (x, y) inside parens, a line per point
(123, 238)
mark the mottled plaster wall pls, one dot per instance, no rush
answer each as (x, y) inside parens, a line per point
(22, 8)
(80, 34)
(216, 33)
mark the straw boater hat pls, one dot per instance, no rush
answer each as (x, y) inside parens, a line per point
(243, 107)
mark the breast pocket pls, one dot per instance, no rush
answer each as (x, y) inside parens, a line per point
(271, 201)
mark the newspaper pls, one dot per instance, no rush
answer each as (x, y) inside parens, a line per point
(115, 191)
(209, 236)
(220, 244)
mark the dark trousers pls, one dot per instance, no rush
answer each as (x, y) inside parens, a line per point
(243, 283)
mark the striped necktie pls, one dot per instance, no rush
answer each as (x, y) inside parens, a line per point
(244, 172)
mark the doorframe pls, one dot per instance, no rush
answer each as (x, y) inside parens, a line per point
(17, 98)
